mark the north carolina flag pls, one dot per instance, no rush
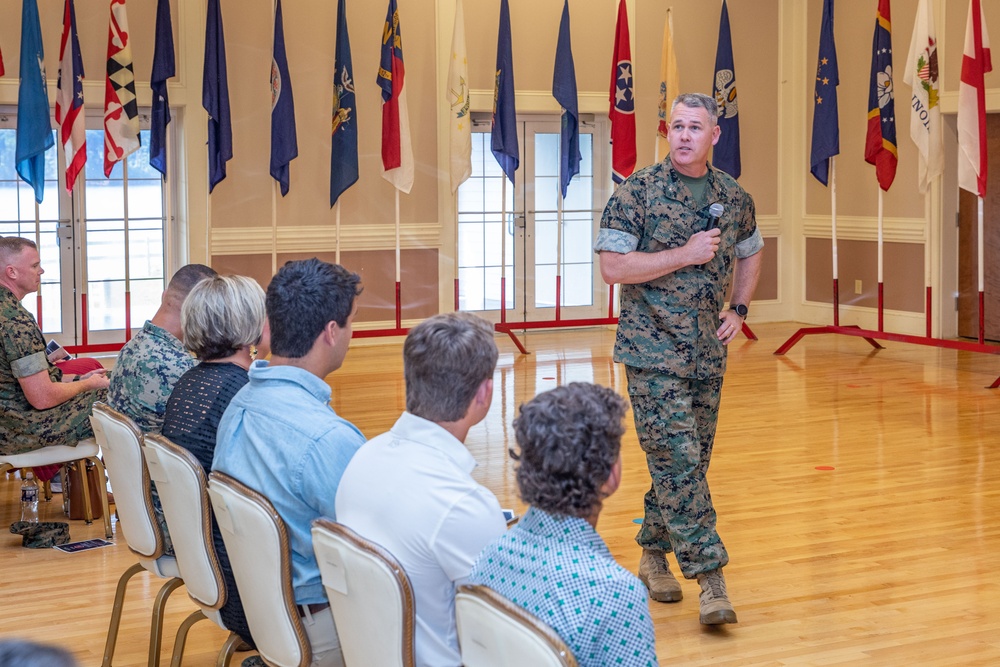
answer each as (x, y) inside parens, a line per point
(284, 144)
(459, 123)
(564, 90)
(34, 131)
(826, 119)
(976, 62)
(726, 155)
(622, 100)
(669, 86)
(880, 142)
(503, 134)
(121, 111)
(344, 123)
(163, 69)
(69, 98)
(397, 151)
(215, 96)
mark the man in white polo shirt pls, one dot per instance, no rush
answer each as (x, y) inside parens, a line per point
(411, 491)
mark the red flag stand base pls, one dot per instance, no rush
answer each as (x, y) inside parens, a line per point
(873, 336)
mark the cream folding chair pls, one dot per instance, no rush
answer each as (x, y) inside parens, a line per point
(119, 439)
(494, 632)
(259, 553)
(61, 454)
(370, 597)
(183, 489)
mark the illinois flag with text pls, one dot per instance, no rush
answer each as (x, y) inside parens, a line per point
(976, 62)
(622, 101)
(669, 86)
(34, 131)
(121, 111)
(459, 122)
(921, 74)
(284, 144)
(69, 98)
(880, 142)
(397, 151)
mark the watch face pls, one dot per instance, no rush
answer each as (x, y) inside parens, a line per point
(741, 310)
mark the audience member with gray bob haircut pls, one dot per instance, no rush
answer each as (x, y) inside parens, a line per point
(445, 359)
(696, 100)
(302, 298)
(21, 653)
(569, 440)
(221, 315)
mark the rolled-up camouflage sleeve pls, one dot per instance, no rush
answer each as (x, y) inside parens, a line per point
(29, 365)
(622, 222)
(748, 241)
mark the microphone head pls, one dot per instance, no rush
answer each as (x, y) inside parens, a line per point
(716, 210)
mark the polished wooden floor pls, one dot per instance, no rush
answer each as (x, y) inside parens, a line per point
(858, 494)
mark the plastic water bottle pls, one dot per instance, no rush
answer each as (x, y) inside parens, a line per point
(29, 499)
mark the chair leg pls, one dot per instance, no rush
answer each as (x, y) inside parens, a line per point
(88, 511)
(226, 654)
(182, 633)
(103, 493)
(156, 627)
(116, 613)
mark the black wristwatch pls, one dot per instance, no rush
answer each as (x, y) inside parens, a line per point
(740, 309)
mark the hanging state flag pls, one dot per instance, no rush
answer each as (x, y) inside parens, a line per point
(669, 86)
(121, 110)
(880, 142)
(163, 69)
(503, 136)
(826, 121)
(564, 90)
(976, 61)
(459, 123)
(921, 74)
(726, 155)
(215, 97)
(69, 99)
(34, 130)
(344, 139)
(284, 145)
(622, 102)
(397, 150)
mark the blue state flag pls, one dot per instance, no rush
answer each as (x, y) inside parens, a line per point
(34, 129)
(564, 90)
(726, 155)
(215, 97)
(163, 69)
(503, 139)
(826, 123)
(284, 145)
(344, 142)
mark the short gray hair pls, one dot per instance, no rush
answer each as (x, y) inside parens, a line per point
(12, 246)
(445, 360)
(698, 100)
(222, 314)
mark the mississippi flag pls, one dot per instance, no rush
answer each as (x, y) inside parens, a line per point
(121, 111)
(69, 98)
(397, 152)
(880, 143)
(972, 103)
(622, 111)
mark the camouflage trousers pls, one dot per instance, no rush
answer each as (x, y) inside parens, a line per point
(675, 420)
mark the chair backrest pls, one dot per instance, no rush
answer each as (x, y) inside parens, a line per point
(183, 490)
(119, 439)
(367, 589)
(259, 553)
(494, 632)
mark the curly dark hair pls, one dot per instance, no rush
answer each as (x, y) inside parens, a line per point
(569, 440)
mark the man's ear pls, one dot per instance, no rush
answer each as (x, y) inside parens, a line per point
(331, 333)
(484, 394)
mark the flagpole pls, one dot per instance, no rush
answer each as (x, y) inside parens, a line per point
(274, 227)
(399, 315)
(559, 246)
(503, 248)
(337, 231)
(979, 231)
(927, 264)
(881, 194)
(128, 282)
(833, 233)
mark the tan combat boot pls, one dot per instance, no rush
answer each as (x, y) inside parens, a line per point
(715, 606)
(655, 573)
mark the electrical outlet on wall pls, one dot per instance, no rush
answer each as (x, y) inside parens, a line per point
(857, 287)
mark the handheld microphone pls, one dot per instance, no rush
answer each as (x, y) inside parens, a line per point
(715, 212)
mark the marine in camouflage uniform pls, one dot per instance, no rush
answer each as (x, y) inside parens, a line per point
(24, 428)
(667, 338)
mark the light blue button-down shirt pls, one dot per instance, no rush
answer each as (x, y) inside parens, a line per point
(280, 437)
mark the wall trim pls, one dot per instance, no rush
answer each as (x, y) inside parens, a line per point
(322, 238)
(865, 228)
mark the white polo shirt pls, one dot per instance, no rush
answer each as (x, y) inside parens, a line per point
(410, 491)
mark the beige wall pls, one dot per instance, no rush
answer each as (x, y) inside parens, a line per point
(246, 226)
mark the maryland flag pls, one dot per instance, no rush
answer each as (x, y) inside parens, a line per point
(121, 112)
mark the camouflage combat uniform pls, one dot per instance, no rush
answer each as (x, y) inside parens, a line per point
(674, 361)
(24, 428)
